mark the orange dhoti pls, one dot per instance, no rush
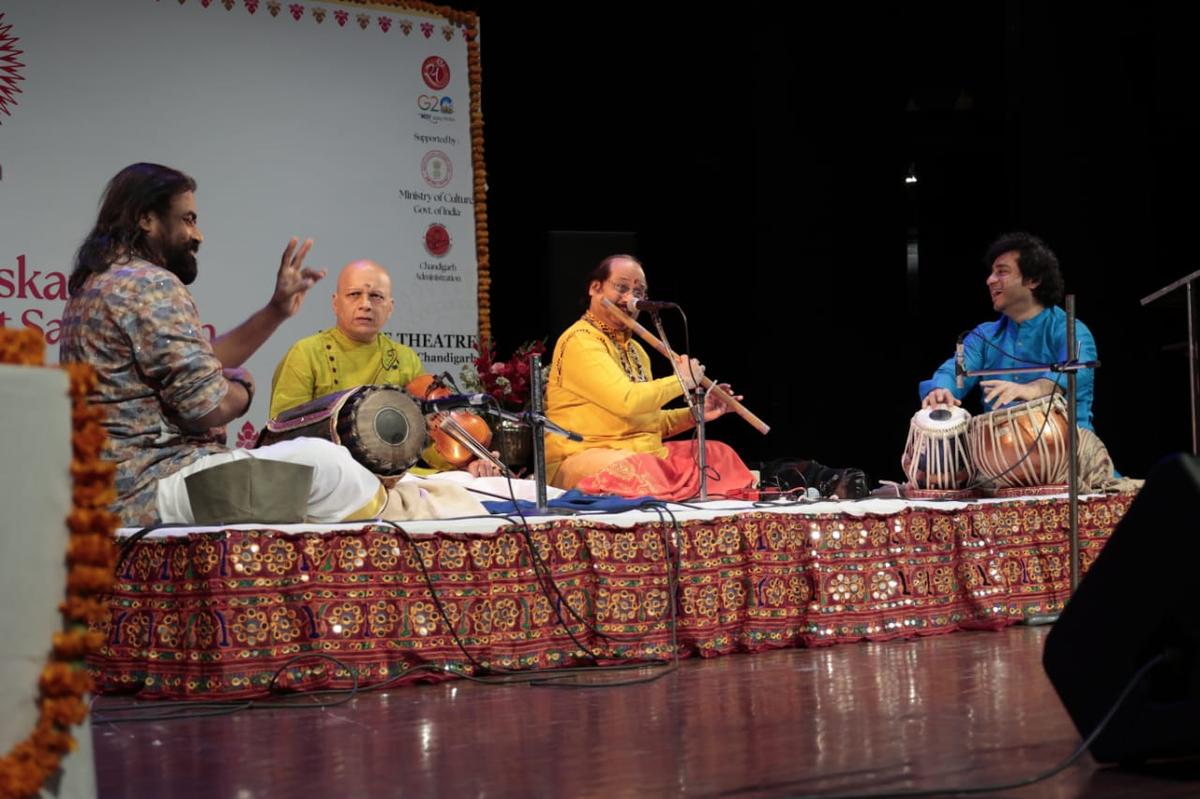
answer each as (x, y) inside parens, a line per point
(640, 474)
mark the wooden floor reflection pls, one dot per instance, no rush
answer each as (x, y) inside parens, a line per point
(956, 710)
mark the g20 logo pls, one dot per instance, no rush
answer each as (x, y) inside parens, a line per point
(432, 102)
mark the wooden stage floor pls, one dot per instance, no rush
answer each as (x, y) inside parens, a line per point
(964, 709)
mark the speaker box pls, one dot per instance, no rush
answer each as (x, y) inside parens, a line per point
(1136, 602)
(570, 256)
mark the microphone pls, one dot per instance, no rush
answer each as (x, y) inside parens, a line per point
(960, 363)
(634, 305)
(533, 417)
(454, 401)
(557, 430)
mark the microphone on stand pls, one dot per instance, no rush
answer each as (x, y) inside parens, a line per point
(557, 430)
(447, 380)
(634, 305)
(455, 401)
(529, 417)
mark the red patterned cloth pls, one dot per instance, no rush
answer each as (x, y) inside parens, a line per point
(215, 615)
(675, 477)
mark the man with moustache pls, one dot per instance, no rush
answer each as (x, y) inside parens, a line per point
(166, 390)
(601, 386)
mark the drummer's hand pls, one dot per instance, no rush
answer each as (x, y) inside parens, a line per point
(691, 369)
(294, 280)
(715, 405)
(940, 396)
(1002, 392)
(484, 468)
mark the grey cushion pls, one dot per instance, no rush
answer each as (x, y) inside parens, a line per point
(251, 490)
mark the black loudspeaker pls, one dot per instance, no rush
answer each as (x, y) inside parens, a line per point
(1137, 601)
(570, 256)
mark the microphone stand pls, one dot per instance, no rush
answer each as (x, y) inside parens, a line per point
(1070, 367)
(1193, 349)
(536, 421)
(695, 405)
(535, 418)
(1073, 446)
(540, 424)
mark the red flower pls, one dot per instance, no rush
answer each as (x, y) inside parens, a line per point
(508, 380)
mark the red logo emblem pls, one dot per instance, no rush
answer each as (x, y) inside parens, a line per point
(437, 240)
(247, 436)
(10, 68)
(436, 72)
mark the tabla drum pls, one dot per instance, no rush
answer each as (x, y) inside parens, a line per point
(936, 458)
(381, 426)
(1022, 446)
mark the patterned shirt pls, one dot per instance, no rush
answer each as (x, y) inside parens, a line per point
(137, 326)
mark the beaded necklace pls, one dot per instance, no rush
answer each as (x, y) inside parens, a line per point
(627, 357)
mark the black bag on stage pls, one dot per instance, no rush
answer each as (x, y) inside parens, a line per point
(788, 474)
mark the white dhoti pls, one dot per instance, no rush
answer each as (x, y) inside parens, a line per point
(342, 489)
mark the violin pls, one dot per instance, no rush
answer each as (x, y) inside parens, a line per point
(458, 436)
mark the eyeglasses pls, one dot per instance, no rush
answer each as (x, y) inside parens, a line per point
(624, 288)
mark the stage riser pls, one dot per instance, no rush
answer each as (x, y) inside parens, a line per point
(216, 614)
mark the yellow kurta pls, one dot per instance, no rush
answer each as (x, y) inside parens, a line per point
(589, 392)
(331, 361)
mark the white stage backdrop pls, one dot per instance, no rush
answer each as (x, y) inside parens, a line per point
(346, 123)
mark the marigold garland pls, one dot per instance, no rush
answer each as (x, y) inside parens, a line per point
(90, 556)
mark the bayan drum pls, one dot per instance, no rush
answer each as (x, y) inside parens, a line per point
(936, 457)
(1022, 445)
(381, 426)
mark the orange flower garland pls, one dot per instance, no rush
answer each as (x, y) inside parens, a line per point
(90, 556)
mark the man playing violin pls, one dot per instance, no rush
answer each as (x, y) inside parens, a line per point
(354, 352)
(600, 386)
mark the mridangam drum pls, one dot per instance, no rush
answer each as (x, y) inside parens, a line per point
(1022, 445)
(936, 456)
(381, 426)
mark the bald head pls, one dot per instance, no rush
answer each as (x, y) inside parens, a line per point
(363, 302)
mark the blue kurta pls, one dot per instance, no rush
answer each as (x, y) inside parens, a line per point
(1005, 344)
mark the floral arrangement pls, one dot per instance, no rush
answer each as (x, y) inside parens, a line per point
(90, 555)
(508, 380)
